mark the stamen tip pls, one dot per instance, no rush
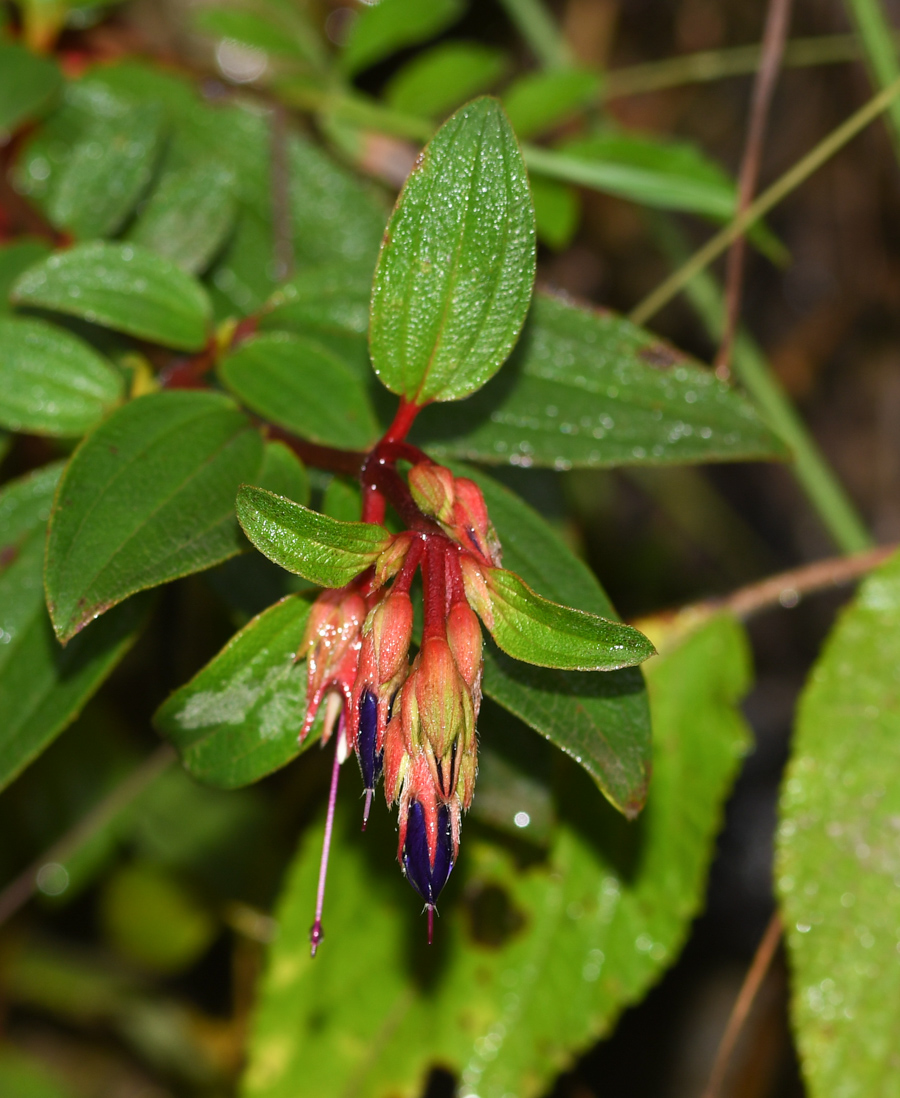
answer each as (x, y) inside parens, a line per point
(316, 935)
(367, 807)
(430, 923)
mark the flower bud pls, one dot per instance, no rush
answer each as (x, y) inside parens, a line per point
(471, 524)
(331, 646)
(392, 559)
(464, 638)
(432, 488)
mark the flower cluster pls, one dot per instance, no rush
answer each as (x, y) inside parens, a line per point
(414, 723)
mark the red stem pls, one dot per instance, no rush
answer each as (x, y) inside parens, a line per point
(403, 420)
(434, 576)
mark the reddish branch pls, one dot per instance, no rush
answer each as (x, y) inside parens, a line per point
(774, 37)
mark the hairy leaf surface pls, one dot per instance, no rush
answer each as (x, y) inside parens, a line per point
(838, 856)
(455, 272)
(124, 287)
(52, 382)
(239, 717)
(43, 686)
(146, 498)
(588, 388)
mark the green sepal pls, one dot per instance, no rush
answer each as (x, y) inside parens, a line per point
(533, 629)
(323, 550)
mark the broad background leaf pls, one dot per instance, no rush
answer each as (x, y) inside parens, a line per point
(14, 259)
(146, 498)
(455, 272)
(537, 101)
(239, 717)
(52, 382)
(506, 1001)
(43, 686)
(299, 384)
(27, 85)
(124, 287)
(88, 164)
(838, 854)
(384, 28)
(442, 78)
(601, 719)
(587, 388)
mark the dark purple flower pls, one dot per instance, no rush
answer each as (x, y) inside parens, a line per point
(427, 879)
(370, 759)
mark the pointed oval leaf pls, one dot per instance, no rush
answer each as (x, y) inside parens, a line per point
(43, 686)
(837, 851)
(239, 717)
(189, 215)
(587, 388)
(602, 721)
(440, 79)
(27, 85)
(455, 272)
(124, 287)
(52, 382)
(539, 100)
(146, 498)
(299, 384)
(530, 628)
(284, 473)
(88, 165)
(323, 550)
(14, 259)
(384, 28)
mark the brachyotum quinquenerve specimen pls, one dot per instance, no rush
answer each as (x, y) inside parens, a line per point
(451, 290)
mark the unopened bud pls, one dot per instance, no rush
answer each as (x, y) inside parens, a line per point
(464, 638)
(331, 646)
(432, 487)
(471, 521)
(389, 626)
(477, 592)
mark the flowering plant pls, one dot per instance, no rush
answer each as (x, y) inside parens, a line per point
(444, 317)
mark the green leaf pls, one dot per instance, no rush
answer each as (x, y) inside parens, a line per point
(438, 80)
(283, 32)
(329, 304)
(189, 215)
(670, 175)
(42, 686)
(284, 473)
(299, 384)
(537, 631)
(28, 84)
(124, 287)
(537, 957)
(455, 272)
(21, 1075)
(382, 29)
(557, 210)
(538, 101)
(837, 851)
(600, 720)
(239, 717)
(586, 388)
(147, 497)
(323, 550)
(88, 165)
(52, 382)
(14, 259)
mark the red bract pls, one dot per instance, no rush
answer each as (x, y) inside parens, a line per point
(415, 724)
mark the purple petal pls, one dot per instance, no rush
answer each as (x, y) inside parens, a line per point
(370, 760)
(426, 879)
